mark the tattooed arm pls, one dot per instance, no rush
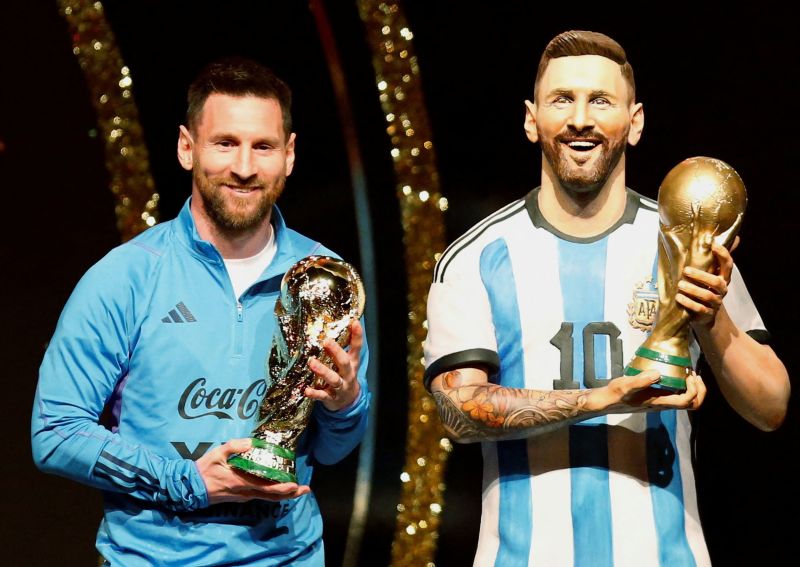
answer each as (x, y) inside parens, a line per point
(472, 409)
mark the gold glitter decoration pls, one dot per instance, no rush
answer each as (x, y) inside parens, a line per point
(110, 83)
(400, 93)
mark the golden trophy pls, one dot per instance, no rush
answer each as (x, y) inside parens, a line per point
(319, 297)
(701, 201)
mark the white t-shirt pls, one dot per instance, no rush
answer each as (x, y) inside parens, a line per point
(245, 271)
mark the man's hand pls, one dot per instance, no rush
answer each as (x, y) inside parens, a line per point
(340, 387)
(701, 293)
(227, 484)
(629, 394)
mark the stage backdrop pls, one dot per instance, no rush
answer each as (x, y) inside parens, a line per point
(713, 81)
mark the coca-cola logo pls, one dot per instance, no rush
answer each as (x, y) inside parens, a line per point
(199, 401)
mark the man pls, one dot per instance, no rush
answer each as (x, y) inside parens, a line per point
(529, 330)
(170, 333)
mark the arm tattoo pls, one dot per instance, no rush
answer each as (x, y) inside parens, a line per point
(489, 412)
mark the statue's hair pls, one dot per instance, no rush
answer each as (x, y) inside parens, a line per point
(578, 42)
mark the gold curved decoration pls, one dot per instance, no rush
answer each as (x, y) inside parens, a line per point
(421, 204)
(110, 84)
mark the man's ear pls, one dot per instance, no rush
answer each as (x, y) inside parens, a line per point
(530, 121)
(637, 124)
(290, 153)
(185, 148)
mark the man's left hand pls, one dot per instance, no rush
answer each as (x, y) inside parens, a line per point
(340, 387)
(701, 293)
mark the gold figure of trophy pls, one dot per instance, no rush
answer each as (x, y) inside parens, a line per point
(701, 201)
(320, 296)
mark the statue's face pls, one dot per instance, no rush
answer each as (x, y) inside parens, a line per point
(700, 198)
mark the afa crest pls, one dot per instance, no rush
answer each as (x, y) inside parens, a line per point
(642, 310)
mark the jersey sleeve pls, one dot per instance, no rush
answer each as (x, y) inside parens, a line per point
(84, 361)
(742, 310)
(460, 328)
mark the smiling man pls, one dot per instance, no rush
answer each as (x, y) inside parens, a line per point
(168, 335)
(533, 314)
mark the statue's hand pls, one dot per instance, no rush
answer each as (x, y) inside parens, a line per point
(701, 292)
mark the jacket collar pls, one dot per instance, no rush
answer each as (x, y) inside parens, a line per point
(286, 256)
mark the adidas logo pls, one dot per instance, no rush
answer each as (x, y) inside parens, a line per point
(175, 316)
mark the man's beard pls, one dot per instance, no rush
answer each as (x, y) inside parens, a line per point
(577, 180)
(232, 214)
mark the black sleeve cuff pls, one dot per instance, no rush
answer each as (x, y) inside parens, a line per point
(760, 336)
(471, 357)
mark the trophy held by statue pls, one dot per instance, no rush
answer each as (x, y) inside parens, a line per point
(319, 297)
(701, 201)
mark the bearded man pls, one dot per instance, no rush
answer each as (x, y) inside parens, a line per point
(529, 329)
(169, 335)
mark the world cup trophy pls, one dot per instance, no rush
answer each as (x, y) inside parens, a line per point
(701, 201)
(319, 297)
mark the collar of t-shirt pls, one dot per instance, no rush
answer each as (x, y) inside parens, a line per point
(245, 271)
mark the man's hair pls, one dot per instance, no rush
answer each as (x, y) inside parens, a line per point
(237, 76)
(578, 42)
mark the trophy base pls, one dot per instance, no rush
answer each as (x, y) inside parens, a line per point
(266, 460)
(669, 366)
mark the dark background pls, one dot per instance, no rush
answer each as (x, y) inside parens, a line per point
(714, 81)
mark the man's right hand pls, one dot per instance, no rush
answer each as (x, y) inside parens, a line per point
(227, 484)
(629, 394)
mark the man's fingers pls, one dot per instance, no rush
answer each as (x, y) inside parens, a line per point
(282, 490)
(340, 358)
(275, 493)
(315, 394)
(356, 339)
(331, 378)
(235, 446)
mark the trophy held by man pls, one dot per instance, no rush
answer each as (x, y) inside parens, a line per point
(319, 298)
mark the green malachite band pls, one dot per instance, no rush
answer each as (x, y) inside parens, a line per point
(262, 471)
(668, 381)
(671, 382)
(661, 357)
(274, 449)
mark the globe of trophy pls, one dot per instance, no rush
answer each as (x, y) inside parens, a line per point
(319, 297)
(701, 201)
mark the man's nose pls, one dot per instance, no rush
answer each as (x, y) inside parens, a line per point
(243, 166)
(581, 117)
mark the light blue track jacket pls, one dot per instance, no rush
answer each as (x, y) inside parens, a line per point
(154, 334)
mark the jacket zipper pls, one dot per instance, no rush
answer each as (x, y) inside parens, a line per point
(238, 335)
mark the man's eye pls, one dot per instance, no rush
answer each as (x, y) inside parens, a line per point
(225, 144)
(562, 100)
(601, 101)
(263, 147)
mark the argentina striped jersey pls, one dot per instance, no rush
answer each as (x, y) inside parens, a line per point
(544, 310)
